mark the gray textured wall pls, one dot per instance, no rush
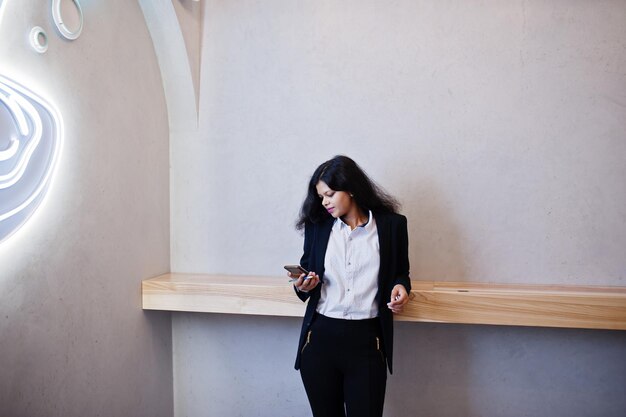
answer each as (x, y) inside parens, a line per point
(243, 366)
(73, 338)
(499, 125)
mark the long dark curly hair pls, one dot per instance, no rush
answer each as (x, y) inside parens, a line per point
(343, 174)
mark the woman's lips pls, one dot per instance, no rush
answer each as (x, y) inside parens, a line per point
(330, 210)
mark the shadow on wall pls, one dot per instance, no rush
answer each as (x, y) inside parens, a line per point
(431, 372)
(430, 355)
(494, 371)
(434, 239)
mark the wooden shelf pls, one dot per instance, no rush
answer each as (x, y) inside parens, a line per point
(442, 302)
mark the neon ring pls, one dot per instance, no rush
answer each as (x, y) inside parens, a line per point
(58, 20)
(38, 39)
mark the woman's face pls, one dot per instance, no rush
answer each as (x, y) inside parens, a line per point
(337, 203)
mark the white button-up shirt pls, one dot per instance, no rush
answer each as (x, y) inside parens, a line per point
(351, 270)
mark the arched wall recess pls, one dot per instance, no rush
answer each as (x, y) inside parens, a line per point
(31, 134)
(169, 45)
(62, 20)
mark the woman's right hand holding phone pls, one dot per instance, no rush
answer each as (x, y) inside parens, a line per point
(304, 282)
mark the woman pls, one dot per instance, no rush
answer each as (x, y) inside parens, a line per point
(356, 252)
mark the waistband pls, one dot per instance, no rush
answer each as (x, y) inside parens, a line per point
(365, 323)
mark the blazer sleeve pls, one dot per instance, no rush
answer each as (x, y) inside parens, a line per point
(306, 255)
(402, 252)
(308, 243)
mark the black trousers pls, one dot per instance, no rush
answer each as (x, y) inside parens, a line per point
(343, 368)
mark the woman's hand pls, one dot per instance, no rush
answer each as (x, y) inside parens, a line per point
(399, 297)
(305, 283)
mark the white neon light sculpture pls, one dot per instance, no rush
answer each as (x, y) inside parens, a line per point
(31, 133)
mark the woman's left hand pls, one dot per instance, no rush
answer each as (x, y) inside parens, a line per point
(399, 297)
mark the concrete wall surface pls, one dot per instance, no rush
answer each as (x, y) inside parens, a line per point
(243, 366)
(500, 127)
(73, 338)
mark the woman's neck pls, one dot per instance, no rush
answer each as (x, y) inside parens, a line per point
(355, 218)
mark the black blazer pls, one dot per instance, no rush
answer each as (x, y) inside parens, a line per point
(394, 269)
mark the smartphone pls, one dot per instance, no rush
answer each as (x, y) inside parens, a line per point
(296, 270)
